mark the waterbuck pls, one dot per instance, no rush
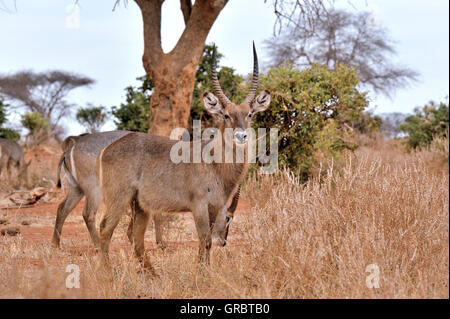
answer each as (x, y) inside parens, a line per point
(79, 161)
(138, 168)
(11, 155)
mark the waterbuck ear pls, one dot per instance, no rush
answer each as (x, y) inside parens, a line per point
(212, 104)
(261, 102)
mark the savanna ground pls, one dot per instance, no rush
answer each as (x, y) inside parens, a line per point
(376, 206)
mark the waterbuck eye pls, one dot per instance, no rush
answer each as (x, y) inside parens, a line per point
(227, 117)
(250, 115)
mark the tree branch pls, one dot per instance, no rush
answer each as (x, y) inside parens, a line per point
(151, 15)
(186, 8)
(203, 15)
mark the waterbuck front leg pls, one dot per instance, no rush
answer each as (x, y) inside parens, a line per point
(202, 223)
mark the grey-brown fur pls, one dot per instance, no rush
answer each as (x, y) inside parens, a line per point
(78, 159)
(84, 150)
(12, 156)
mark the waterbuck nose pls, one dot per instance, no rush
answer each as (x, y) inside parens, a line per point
(241, 136)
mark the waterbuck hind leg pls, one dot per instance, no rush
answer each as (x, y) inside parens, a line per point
(107, 225)
(202, 224)
(90, 210)
(115, 208)
(158, 221)
(74, 195)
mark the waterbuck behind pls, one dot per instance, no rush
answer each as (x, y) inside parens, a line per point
(138, 168)
(11, 156)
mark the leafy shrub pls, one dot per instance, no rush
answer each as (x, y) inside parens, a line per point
(427, 123)
(314, 110)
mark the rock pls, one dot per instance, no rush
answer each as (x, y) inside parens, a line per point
(3, 221)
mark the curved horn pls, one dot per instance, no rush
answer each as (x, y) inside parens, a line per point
(254, 87)
(215, 82)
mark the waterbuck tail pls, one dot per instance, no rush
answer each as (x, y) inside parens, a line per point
(70, 177)
(58, 174)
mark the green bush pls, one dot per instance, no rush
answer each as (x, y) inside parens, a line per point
(428, 122)
(314, 110)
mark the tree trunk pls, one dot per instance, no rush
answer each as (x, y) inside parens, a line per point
(173, 74)
(172, 96)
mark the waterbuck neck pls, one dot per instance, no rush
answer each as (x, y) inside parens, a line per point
(231, 174)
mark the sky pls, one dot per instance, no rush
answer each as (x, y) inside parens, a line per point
(106, 45)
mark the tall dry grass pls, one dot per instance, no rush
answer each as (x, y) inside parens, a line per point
(383, 206)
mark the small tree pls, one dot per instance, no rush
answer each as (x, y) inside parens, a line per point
(38, 128)
(5, 132)
(428, 122)
(43, 94)
(341, 37)
(92, 117)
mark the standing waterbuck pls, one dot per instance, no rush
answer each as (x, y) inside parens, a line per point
(79, 161)
(11, 155)
(138, 168)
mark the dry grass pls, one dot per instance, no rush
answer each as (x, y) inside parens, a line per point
(383, 206)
